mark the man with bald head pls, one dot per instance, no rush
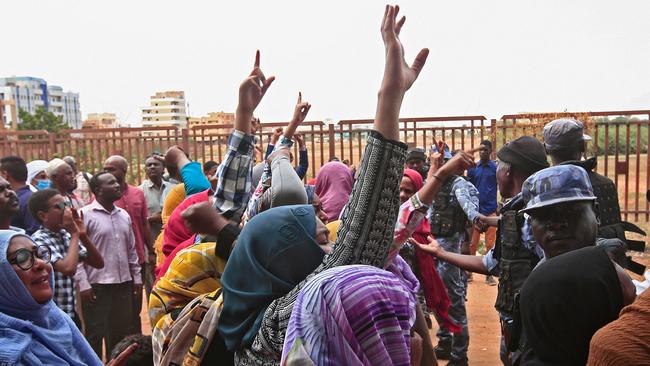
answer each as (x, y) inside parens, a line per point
(62, 178)
(135, 204)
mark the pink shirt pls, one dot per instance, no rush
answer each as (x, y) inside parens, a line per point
(112, 235)
(135, 204)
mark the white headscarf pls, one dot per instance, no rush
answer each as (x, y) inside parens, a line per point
(34, 168)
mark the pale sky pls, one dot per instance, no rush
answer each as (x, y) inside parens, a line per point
(487, 57)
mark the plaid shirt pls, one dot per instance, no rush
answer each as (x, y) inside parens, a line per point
(234, 176)
(64, 288)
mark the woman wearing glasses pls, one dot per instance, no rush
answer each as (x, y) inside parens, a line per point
(33, 330)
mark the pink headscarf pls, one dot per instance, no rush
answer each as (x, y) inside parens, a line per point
(333, 186)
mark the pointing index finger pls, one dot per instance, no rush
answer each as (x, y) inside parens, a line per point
(257, 59)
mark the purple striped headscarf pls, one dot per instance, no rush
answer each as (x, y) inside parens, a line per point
(353, 315)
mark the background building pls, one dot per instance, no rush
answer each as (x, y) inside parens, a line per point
(213, 118)
(166, 109)
(28, 93)
(99, 121)
(201, 127)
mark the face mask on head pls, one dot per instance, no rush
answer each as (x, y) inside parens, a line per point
(42, 184)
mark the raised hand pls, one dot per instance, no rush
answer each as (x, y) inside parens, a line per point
(299, 114)
(276, 135)
(253, 88)
(68, 222)
(299, 139)
(398, 75)
(301, 110)
(463, 160)
(255, 124)
(78, 218)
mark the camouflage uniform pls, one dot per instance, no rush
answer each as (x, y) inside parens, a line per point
(463, 196)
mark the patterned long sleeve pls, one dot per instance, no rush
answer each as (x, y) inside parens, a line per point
(251, 209)
(234, 176)
(467, 197)
(364, 237)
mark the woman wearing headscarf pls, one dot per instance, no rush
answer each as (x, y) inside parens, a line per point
(333, 186)
(353, 315)
(33, 330)
(254, 320)
(423, 264)
(564, 302)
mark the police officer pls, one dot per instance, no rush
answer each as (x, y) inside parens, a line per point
(515, 253)
(455, 204)
(564, 139)
(417, 161)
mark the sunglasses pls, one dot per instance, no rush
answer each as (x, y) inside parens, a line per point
(24, 258)
(61, 205)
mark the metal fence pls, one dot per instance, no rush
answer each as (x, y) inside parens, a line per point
(620, 140)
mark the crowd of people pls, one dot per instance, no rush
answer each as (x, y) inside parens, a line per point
(242, 263)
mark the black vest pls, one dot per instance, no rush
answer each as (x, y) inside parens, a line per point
(447, 217)
(515, 260)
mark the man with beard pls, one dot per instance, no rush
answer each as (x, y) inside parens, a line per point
(107, 294)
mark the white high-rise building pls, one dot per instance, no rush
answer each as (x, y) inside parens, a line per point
(28, 93)
(165, 109)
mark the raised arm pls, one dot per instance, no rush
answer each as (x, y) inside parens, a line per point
(300, 113)
(366, 232)
(398, 75)
(234, 178)
(251, 92)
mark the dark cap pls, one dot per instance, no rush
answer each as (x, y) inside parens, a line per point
(525, 153)
(416, 154)
(564, 133)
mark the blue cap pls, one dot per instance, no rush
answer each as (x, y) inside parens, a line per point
(447, 154)
(557, 184)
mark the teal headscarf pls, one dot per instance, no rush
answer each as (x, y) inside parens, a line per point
(33, 333)
(275, 251)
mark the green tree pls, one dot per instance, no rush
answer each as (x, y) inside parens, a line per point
(41, 120)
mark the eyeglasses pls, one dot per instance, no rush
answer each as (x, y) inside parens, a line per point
(61, 205)
(24, 258)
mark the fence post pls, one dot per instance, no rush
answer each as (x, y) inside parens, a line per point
(493, 137)
(332, 141)
(52, 137)
(185, 139)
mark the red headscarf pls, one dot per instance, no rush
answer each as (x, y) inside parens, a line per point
(175, 231)
(435, 292)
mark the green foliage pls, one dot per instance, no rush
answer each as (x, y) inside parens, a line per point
(41, 120)
(623, 124)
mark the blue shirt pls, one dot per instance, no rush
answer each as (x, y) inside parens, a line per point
(484, 178)
(23, 219)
